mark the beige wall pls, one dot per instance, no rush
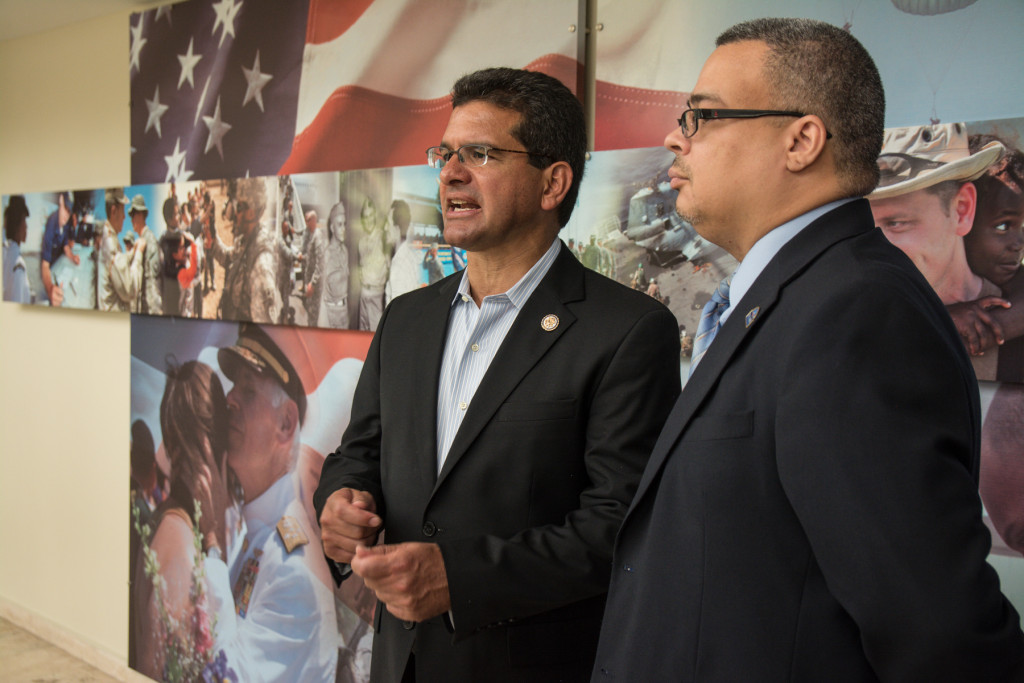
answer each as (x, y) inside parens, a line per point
(64, 375)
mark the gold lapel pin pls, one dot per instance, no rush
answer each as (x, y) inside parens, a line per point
(752, 315)
(549, 323)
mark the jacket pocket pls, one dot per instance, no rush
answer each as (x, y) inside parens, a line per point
(720, 426)
(522, 411)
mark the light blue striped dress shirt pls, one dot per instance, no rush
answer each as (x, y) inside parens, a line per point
(474, 335)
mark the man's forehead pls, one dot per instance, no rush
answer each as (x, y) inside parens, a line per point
(480, 122)
(732, 69)
(908, 204)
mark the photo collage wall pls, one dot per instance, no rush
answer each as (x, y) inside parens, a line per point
(279, 199)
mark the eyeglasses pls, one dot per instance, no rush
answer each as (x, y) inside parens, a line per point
(691, 118)
(470, 155)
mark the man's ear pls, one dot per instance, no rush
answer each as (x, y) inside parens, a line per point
(288, 416)
(557, 179)
(963, 207)
(805, 142)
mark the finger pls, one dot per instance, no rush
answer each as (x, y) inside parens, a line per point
(987, 302)
(352, 507)
(989, 331)
(373, 562)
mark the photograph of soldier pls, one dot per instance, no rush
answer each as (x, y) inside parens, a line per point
(251, 262)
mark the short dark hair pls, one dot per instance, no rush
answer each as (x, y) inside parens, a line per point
(1007, 172)
(552, 127)
(14, 213)
(820, 69)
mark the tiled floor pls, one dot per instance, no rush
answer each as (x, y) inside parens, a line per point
(25, 658)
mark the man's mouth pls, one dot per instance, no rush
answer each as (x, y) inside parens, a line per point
(461, 205)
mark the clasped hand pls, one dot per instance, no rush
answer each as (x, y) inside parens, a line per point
(409, 578)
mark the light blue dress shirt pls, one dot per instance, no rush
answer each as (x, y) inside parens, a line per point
(765, 249)
(474, 335)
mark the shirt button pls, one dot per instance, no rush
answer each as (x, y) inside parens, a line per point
(465, 299)
(462, 405)
(475, 347)
(429, 529)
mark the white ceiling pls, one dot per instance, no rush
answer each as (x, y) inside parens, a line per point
(19, 18)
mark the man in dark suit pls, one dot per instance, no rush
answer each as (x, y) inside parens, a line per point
(810, 511)
(503, 415)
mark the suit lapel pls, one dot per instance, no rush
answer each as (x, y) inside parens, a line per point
(524, 345)
(841, 223)
(431, 329)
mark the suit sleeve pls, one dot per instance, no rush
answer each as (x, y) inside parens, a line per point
(878, 426)
(494, 580)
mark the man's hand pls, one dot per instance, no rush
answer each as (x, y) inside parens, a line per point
(979, 330)
(56, 295)
(409, 578)
(349, 520)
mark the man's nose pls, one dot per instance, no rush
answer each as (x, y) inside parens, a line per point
(454, 171)
(675, 142)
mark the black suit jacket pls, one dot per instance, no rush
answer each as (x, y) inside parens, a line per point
(810, 512)
(536, 482)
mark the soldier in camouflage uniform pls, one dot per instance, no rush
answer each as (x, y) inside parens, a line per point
(252, 263)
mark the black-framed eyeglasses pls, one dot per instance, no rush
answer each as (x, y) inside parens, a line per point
(691, 118)
(470, 155)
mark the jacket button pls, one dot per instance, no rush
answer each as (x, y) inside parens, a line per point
(429, 529)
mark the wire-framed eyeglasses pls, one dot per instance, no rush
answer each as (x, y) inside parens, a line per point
(691, 118)
(470, 155)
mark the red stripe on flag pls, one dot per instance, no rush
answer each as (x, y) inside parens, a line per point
(634, 117)
(361, 128)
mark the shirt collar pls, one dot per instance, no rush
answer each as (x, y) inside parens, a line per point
(521, 291)
(765, 249)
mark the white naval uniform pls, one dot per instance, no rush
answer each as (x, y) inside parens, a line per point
(289, 631)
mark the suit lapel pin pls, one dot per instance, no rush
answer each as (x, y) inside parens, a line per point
(752, 315)
(549, 323)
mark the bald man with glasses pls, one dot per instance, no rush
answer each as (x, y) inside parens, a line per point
(811, 511)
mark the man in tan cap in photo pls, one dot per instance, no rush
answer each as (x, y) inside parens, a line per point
(925, 203)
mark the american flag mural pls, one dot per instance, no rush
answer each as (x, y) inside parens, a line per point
(234, 88)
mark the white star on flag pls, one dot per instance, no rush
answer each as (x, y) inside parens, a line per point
(256, 82)
(156, 110)
(174, 162)
(218, 129)
(136, 49)
(226, 11)
(188, 65)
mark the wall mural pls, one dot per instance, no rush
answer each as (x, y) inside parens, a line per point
(278, 186)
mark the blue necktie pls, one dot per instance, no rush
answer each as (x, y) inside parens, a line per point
(708, 326)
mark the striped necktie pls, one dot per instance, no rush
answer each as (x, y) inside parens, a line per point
(708, 326)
